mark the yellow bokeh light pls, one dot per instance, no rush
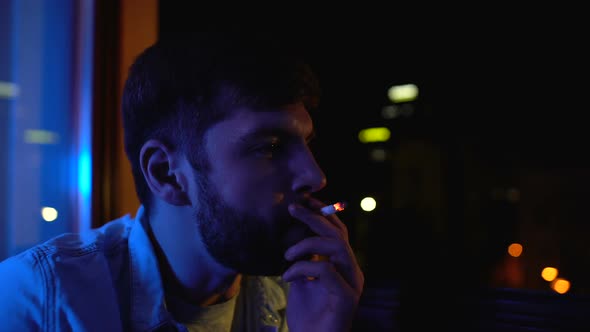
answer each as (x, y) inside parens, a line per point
(515, 249)
(549, 273)
(376, 134)
(368, 204)
(49, 214)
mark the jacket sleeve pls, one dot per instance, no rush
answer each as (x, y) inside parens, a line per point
(22, 293)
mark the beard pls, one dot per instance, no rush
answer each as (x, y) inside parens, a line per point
(246, 243)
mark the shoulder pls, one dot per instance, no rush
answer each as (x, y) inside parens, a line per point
(23, 264)
(67, 246)
(106, 238)
(22, 284)
(39, 262)
(33, 282)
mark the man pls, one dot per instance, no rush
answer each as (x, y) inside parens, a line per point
(228, 236)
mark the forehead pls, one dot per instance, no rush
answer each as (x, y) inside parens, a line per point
(292, 119)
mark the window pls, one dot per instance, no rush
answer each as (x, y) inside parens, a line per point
(45, 113)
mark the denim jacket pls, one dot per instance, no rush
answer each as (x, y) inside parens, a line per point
(107, 279)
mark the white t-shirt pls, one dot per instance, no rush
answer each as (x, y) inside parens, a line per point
(213, 318)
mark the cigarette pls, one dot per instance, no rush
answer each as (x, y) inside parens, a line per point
(333, 208)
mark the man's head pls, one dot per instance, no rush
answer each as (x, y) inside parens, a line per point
(176, 90)
(237, 110)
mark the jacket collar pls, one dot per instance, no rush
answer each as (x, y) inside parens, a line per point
(148, 309)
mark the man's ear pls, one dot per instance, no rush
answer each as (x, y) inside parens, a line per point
(162, 171)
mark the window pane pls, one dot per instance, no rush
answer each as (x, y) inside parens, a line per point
(42, 120)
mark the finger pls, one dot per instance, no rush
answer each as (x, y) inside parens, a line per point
(328, 249)
(317, 223)
(322, 272)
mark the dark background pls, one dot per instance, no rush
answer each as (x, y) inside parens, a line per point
(502, 101)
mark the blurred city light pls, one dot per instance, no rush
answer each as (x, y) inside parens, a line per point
(49, 214)
(376, 134)
(549, 273)
(515, 249)
(560, 285)
(402, 93)
(36, 136)
(368, 204)
(8, 90)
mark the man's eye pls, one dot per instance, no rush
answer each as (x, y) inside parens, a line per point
(268, 150)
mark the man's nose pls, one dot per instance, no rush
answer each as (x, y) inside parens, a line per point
(309, 177)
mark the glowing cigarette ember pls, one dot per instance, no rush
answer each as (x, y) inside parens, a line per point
(331, 209)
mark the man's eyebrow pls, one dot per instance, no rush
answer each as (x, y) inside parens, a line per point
(274, 131)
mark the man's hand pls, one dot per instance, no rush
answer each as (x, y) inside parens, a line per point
(324, 292)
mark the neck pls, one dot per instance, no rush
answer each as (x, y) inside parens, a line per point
(230, 292)
(188, 271)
